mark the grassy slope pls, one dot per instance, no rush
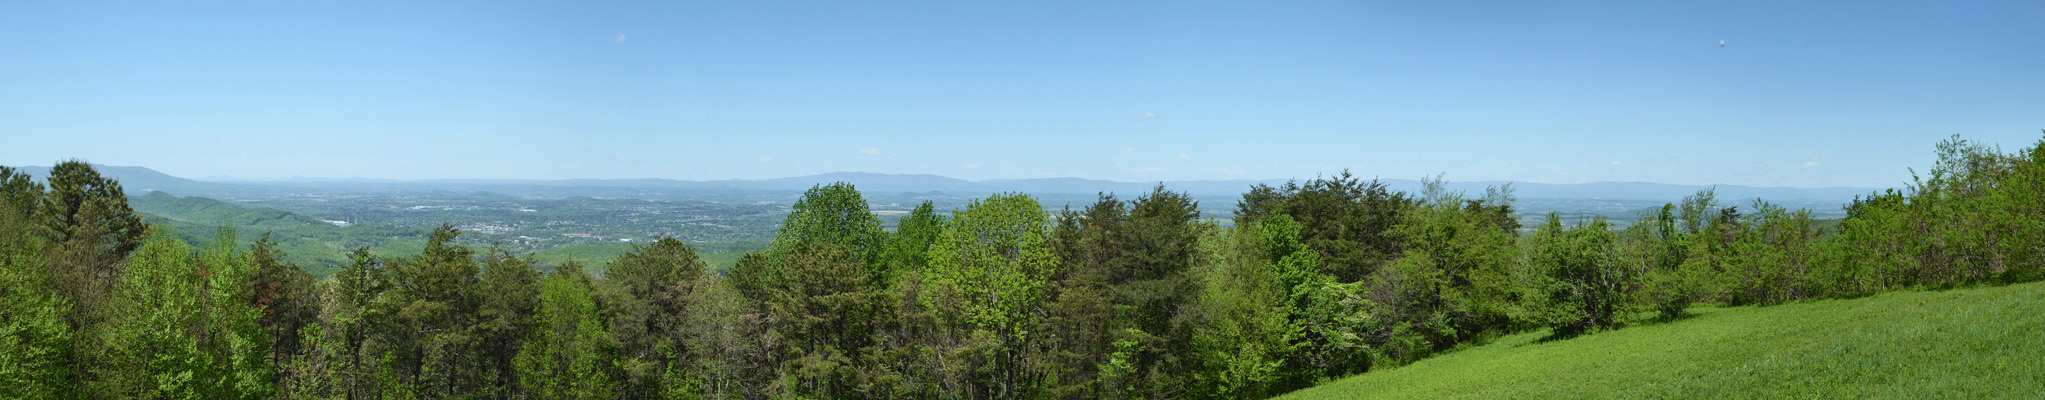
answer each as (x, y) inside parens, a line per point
(1969, 343)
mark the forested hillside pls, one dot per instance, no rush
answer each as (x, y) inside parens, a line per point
(1127, 297)
(314, 245)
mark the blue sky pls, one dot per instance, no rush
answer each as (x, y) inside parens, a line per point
(1803, 94)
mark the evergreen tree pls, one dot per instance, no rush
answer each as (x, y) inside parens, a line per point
(87, 229)
(436, 315)
(823, 312)
(284, 295)
(1348, 220)
(509, 293)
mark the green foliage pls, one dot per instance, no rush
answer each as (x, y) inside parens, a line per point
(1349, 221)
(86, 229)
(1590, 289)
(908, 248)
(184, 327)
(643, 294)
(1244, 333)
(570, 353)
(285, 297)
(35, 342)
(823, 309)
(508, 296)
(1121, 299)
(836, 214)
(1482, 287)
(435, 317)
(994, 256)
(987, 276)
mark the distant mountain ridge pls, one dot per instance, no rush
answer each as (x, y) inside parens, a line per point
(139, 180)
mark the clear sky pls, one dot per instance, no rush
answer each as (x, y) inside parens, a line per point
(1802, 93)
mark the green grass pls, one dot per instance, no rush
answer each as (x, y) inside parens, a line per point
(1967, 343)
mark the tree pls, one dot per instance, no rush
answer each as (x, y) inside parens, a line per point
(724, 340)
(184, 327)
(836, 214)
(644, 294)
(1160, 245)
(1471, 243)
(358, 315)
(987, 274)
(284, 295)
(35, 340)
(436, 310)
(1243, 330)
(87, 229)
(1348, 220)
(19, 195)
(1589, 291)
(1080, 312)
(909, 247)
(508, 295)
(568, 354)
(823, 312)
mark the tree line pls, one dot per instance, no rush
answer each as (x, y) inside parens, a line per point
(1121, 298)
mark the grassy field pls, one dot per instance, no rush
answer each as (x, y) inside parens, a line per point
(1967, 343)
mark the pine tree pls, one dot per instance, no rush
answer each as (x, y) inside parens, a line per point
(643, 295)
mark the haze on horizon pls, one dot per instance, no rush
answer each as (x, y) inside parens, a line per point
(1799, 95)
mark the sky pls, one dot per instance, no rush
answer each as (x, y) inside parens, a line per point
(1801, 94)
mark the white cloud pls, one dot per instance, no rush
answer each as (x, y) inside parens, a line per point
(1184, 157)
(1810, 164)
(1616, 163)
(1147, 114)
(766, 159)
(870, 152)
(973, 165)
(1129, 149)
(1151, 169)
(620, 38)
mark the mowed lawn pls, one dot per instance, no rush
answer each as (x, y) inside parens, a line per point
(1967, 343)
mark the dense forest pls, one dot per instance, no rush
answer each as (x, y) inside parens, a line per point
(1122, 298)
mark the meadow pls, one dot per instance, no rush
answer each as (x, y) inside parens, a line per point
(1965, 343)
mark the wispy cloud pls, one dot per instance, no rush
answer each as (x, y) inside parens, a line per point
(870, 151)
(1129, 149)
(1810, 164)
(973, 165)
(1184, 157)
(1616, 163)
(766, 159)
(1147, 114)
(1151, 169)
(620, 38)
